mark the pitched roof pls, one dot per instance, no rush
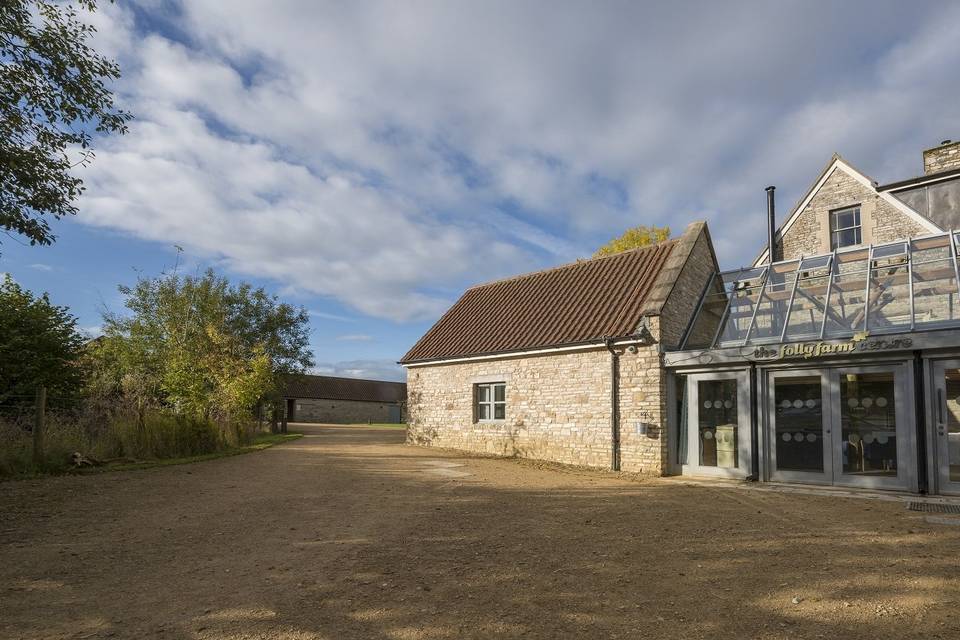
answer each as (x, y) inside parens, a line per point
(576, 303)
(334, 388)
(838, 162)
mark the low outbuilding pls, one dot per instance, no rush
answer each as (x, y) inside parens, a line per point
(334, 400)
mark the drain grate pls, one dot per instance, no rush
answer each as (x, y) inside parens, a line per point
(933, 507)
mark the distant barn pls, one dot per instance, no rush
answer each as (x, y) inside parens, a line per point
(329, 399)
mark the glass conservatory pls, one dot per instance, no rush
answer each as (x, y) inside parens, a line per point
(837, 369)
(891, 288)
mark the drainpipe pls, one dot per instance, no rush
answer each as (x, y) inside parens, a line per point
(614, 406)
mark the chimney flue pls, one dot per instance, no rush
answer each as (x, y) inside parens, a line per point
(771, 225)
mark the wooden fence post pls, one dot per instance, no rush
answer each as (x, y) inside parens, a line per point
(38, 425)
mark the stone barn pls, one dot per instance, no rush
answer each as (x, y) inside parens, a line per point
(329, 399)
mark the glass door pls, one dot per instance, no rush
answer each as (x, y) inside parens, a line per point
(718, 433)
(873, 434)
(799, 430)
(946, 382)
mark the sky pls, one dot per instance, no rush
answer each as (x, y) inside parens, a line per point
(371, 160)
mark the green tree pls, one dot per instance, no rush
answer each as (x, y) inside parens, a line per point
(39, 346)
(634, 238)
(53, 99)
(200, 345)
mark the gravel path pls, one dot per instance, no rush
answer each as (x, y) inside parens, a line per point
(347, 533)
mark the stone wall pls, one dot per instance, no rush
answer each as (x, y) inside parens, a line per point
(880, 221)
(341, 411)
(682, 303)
(558, 408)
(943, 157)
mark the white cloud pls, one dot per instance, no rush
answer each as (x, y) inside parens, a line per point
(355, 337)
(387, 154)
(41, 267)
(365, 369)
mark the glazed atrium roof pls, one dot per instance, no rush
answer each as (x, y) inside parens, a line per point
(896, 287)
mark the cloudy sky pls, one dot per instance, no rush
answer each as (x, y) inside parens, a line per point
(370, 160)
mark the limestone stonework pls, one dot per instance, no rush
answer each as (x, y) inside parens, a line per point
(943, 157)
(557, 408)
(880, 221)
(343, 411)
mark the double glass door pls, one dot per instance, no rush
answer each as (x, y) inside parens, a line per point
(843, 426)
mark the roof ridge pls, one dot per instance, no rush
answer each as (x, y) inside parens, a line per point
(321, 375)
(568, 265)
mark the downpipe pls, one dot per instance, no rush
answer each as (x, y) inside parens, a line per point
(614, 406)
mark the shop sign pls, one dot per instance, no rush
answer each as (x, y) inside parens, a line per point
(859, 343)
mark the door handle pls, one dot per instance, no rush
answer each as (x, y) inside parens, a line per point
(941, 410)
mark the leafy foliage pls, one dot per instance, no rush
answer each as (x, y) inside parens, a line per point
(200, 345)
(634, 238)
(39, 346)
(53, 99)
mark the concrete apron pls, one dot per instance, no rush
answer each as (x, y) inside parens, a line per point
(839, 492)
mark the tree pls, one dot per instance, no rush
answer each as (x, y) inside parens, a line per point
(634, 238)
(53, 99)
(200, 345)
(39, 346)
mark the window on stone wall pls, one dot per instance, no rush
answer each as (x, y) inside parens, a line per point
(845, 228)
(491, 401)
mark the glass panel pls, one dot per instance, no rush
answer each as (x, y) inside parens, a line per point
(845, 308)
(745, 293)
(935, 292)
(799, 423)
(704, 327)
(772, 313)
(806, 314)
(483, 393)
(483, 411)
(499, 392)
(868, 424)
(499, 411)
(952, 382)
(717, 423)
(889, 294)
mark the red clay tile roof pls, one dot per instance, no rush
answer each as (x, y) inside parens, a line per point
(333, 388)
(580, 302)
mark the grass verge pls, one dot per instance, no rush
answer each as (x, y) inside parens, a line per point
(259, 443)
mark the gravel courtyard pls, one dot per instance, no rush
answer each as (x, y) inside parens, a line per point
(348, 533)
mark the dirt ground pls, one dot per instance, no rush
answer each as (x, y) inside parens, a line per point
(348, 533)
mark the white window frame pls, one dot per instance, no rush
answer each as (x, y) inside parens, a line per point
(858, 226)
(492, 403)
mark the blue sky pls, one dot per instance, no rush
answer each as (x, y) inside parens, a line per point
(371, 160)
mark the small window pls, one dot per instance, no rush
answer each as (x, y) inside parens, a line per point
(491, 401)
(845, 228)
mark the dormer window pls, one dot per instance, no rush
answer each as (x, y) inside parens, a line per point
(845, 228)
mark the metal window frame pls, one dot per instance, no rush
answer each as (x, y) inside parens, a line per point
(793, 294)
(953, 255)
(753, 316)
(866, 293)
(913, 318)
(826, 299)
